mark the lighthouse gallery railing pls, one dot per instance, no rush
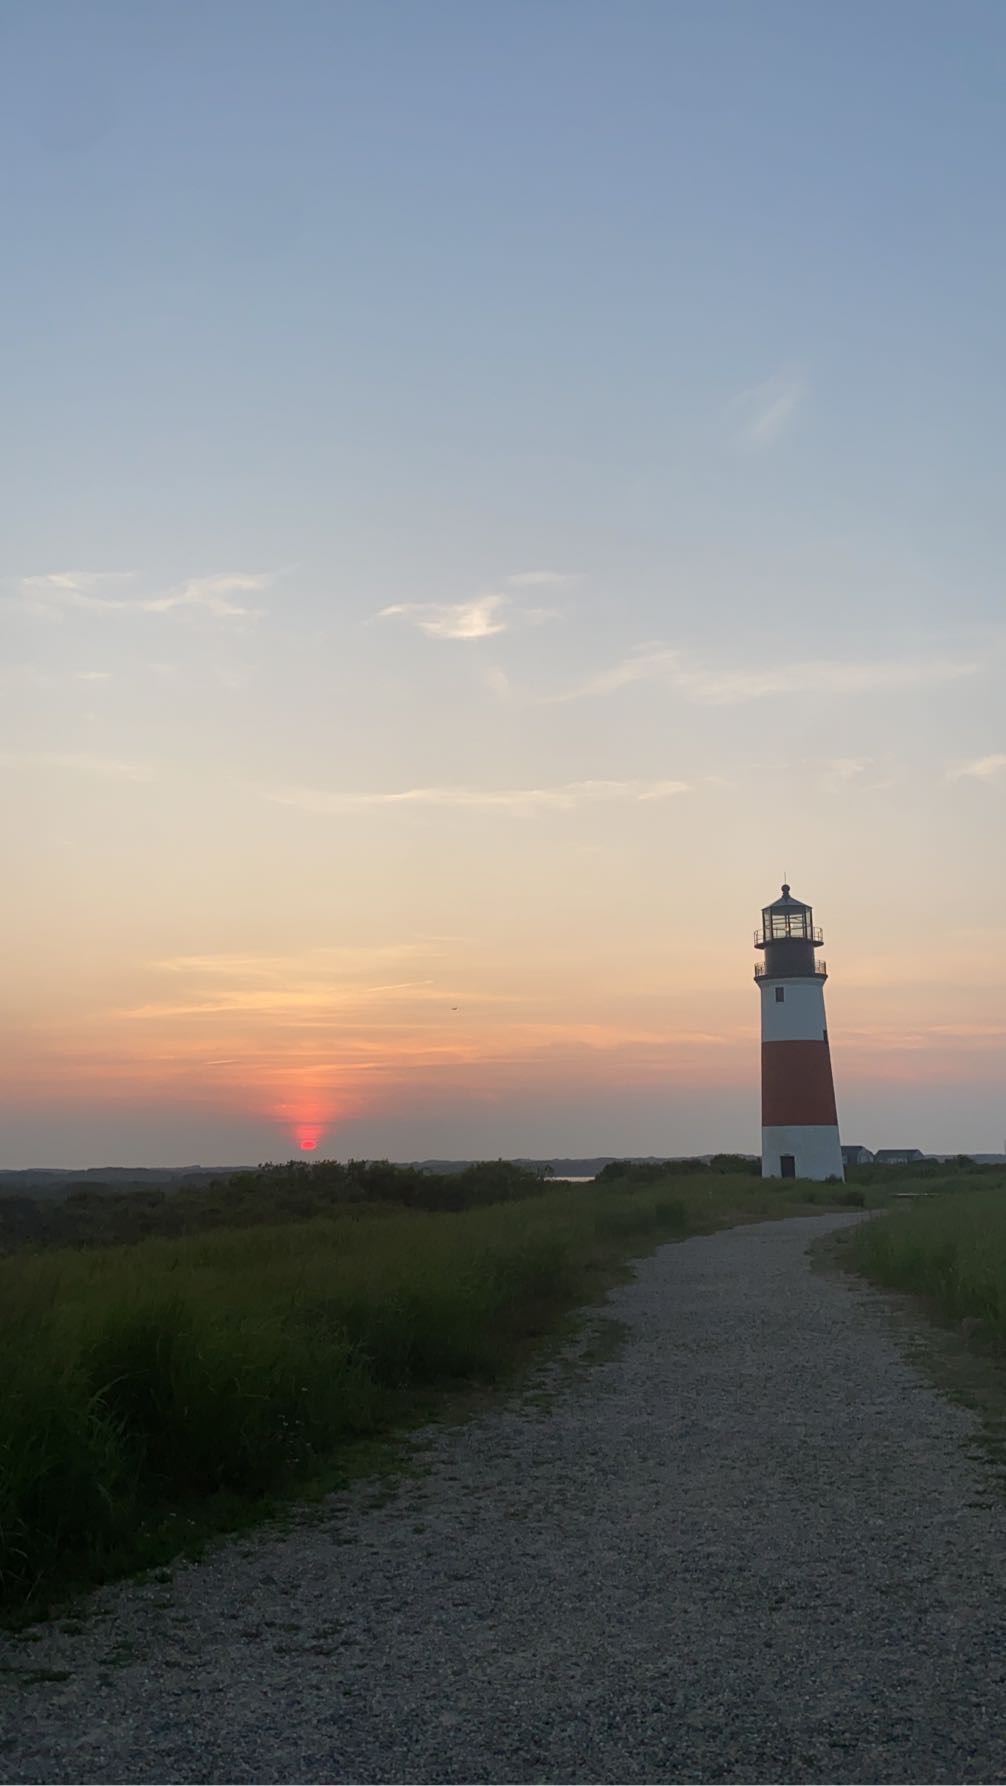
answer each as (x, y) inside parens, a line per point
(812, 934)
(761, 972)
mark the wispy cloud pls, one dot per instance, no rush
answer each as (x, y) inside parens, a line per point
(648, 663)
(762, 414)
(43, 677)
(390, 986)
(861, 774)
(76, 763)
(498, 682)
(846, 769)
(344, 959)
(273, 1001)
(477, 619)
(215, 594)
(70, 587)
(821, 676)
(726, 688)
(481, 618)
(94, 592)
(563, 798)
(542, 579)
(982, 769)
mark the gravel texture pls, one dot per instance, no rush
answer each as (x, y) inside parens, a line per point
(752, 1544)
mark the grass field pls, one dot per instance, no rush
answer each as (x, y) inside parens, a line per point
(155, 1393)
(947, 1245)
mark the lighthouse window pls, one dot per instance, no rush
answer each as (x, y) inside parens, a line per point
(780, 994)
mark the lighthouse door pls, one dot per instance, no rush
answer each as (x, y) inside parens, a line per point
(787, 1165)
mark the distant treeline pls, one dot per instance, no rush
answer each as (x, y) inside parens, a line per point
(300, 1190)
(40, 1181)
(297, 1191)
(649, 1171)
(883, 1172)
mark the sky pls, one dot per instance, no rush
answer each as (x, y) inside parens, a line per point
(488, 491)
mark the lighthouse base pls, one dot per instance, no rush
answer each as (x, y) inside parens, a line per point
(802, 1150)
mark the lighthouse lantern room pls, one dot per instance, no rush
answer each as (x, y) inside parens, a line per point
(799, 1118)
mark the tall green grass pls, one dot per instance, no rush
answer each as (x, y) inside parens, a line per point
(950, 1249)
(165, 1388)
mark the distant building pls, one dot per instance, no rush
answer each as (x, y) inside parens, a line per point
(855, 1155)
(898, 1156)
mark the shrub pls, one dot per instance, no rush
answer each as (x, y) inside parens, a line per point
(638, 1172)
(951, 1250)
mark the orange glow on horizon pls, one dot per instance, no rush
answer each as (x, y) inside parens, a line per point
(318, 1044)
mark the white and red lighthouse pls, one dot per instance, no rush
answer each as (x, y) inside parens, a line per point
(799, 1135)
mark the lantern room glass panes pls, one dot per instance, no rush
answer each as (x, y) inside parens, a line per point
(781, 925)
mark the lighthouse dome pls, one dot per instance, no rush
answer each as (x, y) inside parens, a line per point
(786, 902)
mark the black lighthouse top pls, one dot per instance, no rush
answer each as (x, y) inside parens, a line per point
(789, 938)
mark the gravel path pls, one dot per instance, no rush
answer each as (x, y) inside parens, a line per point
(753, 1545)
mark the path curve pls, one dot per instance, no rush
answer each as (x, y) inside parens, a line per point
(753, 1545)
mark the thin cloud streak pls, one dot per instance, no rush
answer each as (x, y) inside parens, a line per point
(477, 619)
(274, 1001)
(361, 957)
(498, 683)
(650, 663)
(35, 676)
(542, 579)
(727, 688)
(820, 677)
(481, 618)
(982, 769)
(763, 413)
(846, 769)
(58, 591)
(564, 798)
(850, 773)
(76, 763)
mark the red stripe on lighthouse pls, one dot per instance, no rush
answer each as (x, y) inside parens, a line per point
(796, 1084)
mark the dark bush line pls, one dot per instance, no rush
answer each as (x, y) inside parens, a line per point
(931, 1170)
(299, 1191)
(379, 1181)
(294, 1192)
(649, 1171)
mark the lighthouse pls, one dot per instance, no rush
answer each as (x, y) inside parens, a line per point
(799, 1136)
